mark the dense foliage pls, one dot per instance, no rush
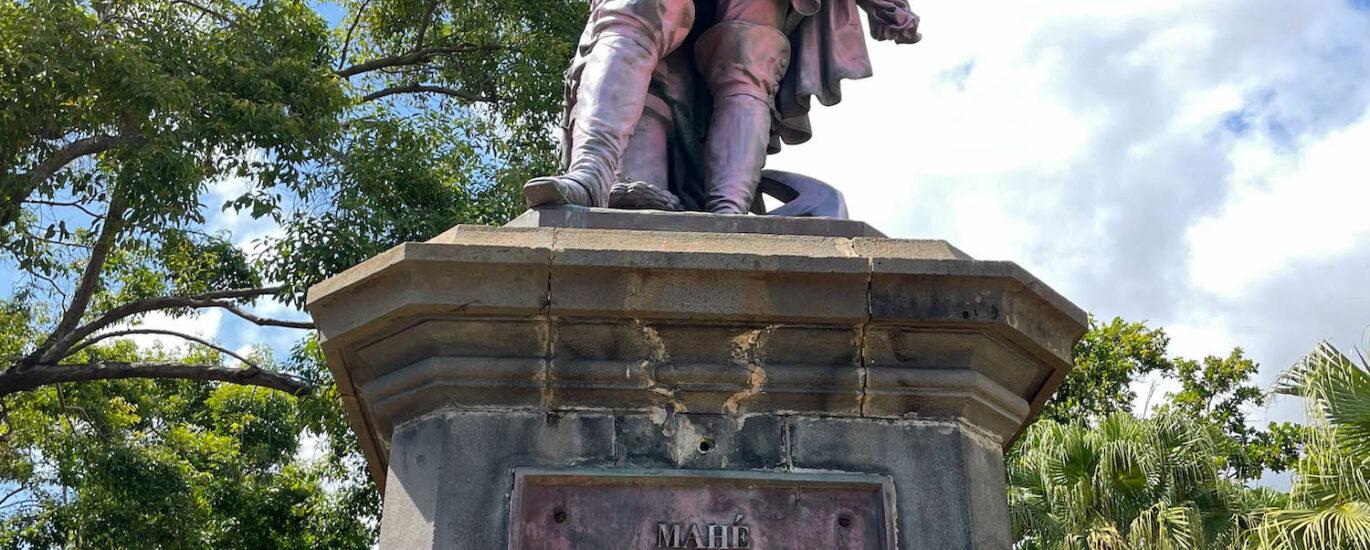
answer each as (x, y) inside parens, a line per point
(160, 159)
(1113, 356)
(1180, 477)
(1329, 503)
(1128, 483)
(178, 464)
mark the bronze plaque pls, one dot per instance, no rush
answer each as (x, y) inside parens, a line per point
(642, 510)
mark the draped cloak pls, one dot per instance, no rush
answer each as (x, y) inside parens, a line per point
(827, 46)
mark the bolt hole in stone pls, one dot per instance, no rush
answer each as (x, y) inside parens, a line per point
(706, 446)
(559, 515)
(844, 520)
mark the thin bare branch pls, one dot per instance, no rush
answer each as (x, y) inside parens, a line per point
(199, 301)
(66, 412)
(205, 10)
(181, 335)
(425, 23)
(235, 293)
(18, 503)
(425, 89)
(261, 321)
(347, 40)
(73, 204)
(416, 57)
(17, 189)
(11, 494)
(56, 287)
(13, 381)
(90, 277)
(59, 243)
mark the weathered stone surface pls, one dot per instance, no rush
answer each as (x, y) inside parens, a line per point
(939, 492)
(700, 441)
(488, 349)
(579, 217)
(450, 474)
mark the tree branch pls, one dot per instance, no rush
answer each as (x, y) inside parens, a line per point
(347, 40)
(20, 380)
(425, 23)
(70, 152)
(424, 88)
(90, 278)
(199, 301)
(74, 204)
(181, 335)
(260, 321)
(11, 494)
(416, 57)
(205, 10)
(18, 187)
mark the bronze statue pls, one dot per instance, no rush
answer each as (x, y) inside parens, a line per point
(674, 104)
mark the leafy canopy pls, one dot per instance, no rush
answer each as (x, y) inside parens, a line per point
(1112, 357)
(129, 132)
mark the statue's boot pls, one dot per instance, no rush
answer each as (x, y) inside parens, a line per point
(742, 65)
(610, 96)
(645, 182)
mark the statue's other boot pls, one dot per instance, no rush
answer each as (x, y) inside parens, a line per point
(611, 92)
(645, 167)
(742, 65)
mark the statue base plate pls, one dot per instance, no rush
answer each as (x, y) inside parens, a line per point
(584, 508)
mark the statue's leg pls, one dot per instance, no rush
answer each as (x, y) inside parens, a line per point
(628, 37)
(645, 159)
(645, 170)
(742, 58)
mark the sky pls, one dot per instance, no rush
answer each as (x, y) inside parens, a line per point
(1200, 165)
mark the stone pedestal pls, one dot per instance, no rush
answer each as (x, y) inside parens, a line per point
(494, 374)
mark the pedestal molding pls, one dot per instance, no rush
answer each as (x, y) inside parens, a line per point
(547, 318)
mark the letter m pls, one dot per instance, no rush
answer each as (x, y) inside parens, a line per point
(668, 535)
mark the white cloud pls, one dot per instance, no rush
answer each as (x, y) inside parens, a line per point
(203, 325)
(1314, 203)
(241, 226)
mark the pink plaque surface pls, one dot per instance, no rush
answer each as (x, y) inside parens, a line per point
(618, 510)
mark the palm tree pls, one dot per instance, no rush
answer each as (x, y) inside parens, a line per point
(1329, 501)
(1127, 484)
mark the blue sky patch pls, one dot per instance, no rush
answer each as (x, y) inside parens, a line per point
(958, 75)
(1237, 122)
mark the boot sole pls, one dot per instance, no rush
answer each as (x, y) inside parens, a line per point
(543, 191)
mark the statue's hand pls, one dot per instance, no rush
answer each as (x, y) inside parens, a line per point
(892, 20)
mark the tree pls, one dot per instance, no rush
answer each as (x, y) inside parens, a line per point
(124, 129)
(1108, 359)
(116, 120)
(174, 464)
(1329, 502)
(1219, 390)
(1113, 356)
(1128, 483)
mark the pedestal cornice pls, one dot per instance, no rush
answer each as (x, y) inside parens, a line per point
(570, 319)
